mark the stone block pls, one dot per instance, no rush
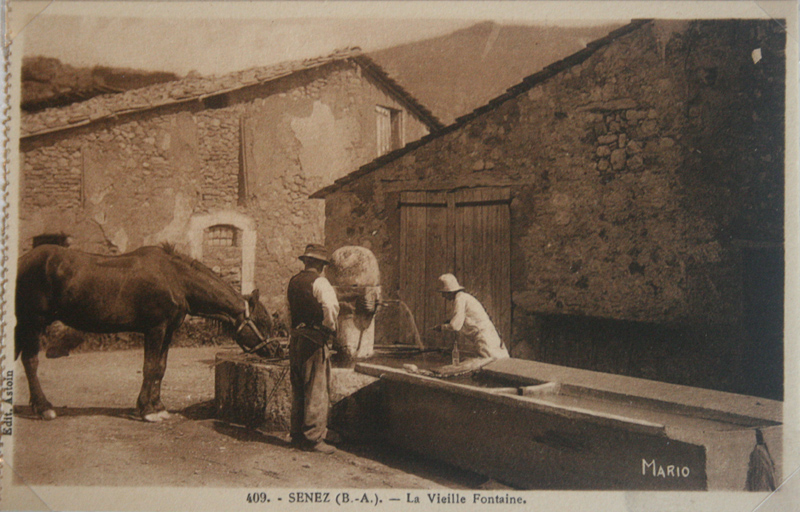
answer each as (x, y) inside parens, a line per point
(257, 393)
(633, 148)
(618, 159)
(635, 162)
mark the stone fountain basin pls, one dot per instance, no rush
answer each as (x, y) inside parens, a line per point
(526, 424)
(540, 426)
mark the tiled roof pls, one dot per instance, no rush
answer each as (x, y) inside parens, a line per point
(514, 91)
(193, 88)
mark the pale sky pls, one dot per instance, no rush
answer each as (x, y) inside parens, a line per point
(220, 37)
(214, 46)
(180, 37)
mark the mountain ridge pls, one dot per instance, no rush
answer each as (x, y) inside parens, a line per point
(458, 72)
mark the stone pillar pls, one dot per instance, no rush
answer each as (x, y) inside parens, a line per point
(355, 276)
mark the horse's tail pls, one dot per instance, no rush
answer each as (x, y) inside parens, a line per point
(32, 291)
(17, 344)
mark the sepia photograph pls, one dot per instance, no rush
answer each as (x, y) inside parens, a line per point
(399, 255)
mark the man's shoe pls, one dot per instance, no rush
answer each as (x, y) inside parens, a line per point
(332, 437)
(323, 447)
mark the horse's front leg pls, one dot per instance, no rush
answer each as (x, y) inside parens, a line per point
(27, 345)
(156, 348)
(152, 374)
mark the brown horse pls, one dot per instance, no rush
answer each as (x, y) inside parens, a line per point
(149, 290)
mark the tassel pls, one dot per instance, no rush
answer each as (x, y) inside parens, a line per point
(761, 471)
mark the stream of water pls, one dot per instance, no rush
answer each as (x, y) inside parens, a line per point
(411, 320)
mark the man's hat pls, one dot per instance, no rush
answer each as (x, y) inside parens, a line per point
(449, 284)
(315, 252)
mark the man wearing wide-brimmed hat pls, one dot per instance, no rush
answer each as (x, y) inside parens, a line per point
(314, 309)
(470, 318)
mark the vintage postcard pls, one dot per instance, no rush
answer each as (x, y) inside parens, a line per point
(482, 255)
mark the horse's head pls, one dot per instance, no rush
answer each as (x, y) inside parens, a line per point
(255, 328)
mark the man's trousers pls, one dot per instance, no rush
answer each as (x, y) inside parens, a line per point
(310, 371)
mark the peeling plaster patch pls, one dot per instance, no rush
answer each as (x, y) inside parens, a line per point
(175, 230)
(324, 142)
(98, 197)
(120, 240)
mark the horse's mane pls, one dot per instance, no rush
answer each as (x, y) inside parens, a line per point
(195, 264)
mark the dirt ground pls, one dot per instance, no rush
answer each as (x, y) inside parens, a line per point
(96, 441)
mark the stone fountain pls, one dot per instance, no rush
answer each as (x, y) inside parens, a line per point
(257, 393)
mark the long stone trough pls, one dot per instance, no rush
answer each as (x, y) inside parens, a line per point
(552, 427)
(527, 424)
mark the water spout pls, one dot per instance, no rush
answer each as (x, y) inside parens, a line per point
(412, 321)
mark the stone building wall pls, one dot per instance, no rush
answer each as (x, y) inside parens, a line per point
(637, 177)
(139, 180)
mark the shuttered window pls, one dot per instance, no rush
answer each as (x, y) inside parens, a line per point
(389, 129)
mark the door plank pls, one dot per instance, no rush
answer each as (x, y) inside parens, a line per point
(465, 232)
(436, 265)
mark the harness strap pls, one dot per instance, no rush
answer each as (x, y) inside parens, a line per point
(257, 347)
(246, 317)
(249, 322)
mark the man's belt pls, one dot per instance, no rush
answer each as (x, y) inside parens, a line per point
(318, 335)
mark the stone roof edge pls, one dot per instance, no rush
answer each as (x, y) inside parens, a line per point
(525, 85)
(354, 54)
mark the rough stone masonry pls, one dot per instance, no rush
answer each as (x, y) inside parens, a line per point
(647, 181)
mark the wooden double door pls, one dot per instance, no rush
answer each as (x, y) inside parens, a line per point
(465, 232)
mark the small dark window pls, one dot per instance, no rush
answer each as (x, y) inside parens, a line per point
(222, 236)
(220, 101)
(51, 239)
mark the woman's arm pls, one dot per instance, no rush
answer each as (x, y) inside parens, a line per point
(459, 313)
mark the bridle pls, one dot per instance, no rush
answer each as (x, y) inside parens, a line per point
(246, 320)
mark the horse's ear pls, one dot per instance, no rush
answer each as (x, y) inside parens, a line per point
(253, 299)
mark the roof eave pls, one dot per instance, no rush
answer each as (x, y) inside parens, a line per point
(411, 103)
(354, 54)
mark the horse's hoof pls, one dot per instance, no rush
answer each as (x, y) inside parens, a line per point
(164, 415)
(49, 414)
(153, 417)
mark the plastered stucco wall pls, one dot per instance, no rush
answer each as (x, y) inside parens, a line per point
(140, 180)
